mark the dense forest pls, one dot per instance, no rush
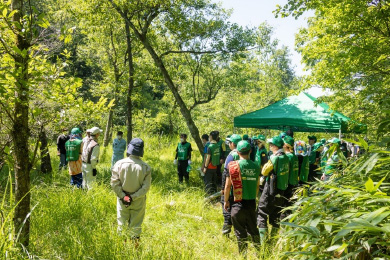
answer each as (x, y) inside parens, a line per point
(158, 68)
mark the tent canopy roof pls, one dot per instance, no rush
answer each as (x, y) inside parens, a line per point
(299, 113)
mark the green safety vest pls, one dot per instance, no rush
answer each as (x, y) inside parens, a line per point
(215, 153)
(73, 149)
(304, 173)
(331, 164)
(294, 169)
(260, 153)
(227, 149)
(182, 151)
(324, 158)
(281, 168)
(250, 172)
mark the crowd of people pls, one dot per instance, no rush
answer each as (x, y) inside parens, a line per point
(130, 180)
(244, 170)
(241, 169)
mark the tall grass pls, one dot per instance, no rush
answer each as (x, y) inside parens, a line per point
(70, 223)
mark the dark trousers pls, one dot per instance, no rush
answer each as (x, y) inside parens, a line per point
(270, 206)
(227, 217)
(288, 194)
(210, 181)
(77, 180)
(219, 175)
(312, 172)
(63, 161)
(182, 170)
(244, 222)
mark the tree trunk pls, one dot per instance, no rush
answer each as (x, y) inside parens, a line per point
(130, 88)
(183, 108)
(20, 132)
(45, 156)
(107, 135)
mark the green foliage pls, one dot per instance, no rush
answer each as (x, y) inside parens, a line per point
(72, 223)
(346, 49)
(347, 217)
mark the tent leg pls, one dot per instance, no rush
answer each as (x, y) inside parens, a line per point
(340, 133)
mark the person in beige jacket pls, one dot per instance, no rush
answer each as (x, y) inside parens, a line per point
(130, 180)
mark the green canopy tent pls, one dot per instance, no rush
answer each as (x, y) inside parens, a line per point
(300, 114)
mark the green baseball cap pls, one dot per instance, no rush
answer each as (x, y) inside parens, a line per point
(261, 138)
(245, 137)
(288, 140)
(316, 146)
(255, 137)
(323, 141)
(234, 138)
(276, 141)
(243, 146)
(75, 131)
(335, 141)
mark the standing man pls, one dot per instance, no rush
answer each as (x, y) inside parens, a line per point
(74, 150)
(243, 175)
(118, 148)
(233, 156)
(85, 139)
(90, 158)
(61, 151)
(183, 158)
(222, 147)
(312, 158)
(293, 180)
(261, 153)
(271, 201)
(213, 157)
(130, 180)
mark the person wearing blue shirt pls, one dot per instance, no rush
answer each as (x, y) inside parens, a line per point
(118, 146)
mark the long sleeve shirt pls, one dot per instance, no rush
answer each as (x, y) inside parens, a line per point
(131, 175)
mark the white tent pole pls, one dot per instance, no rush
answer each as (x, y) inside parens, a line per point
(340, 133)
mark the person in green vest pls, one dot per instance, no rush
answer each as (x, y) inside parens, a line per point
(271, 200)
(213, 157)
(74, 149)
(183, 158)
(227, 147)
(293, 178)
(233, 156)
(301, 152)
(243, 176)
(222, 147)
(333, 161)
(261, 153)
(318, 148)
(312, 158)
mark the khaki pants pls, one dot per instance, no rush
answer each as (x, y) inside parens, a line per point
(88, 178)
(132, 216)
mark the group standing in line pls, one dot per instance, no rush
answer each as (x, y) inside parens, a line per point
(240, 167)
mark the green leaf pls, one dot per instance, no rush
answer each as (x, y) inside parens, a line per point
(370, 186)
(333, 248)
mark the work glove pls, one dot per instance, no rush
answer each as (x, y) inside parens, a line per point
(126, 200)
(175, 162)
(189, 161)
(94, 172)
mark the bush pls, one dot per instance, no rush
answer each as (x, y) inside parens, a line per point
(346, 218)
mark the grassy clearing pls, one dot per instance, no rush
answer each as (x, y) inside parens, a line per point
(69, 223)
